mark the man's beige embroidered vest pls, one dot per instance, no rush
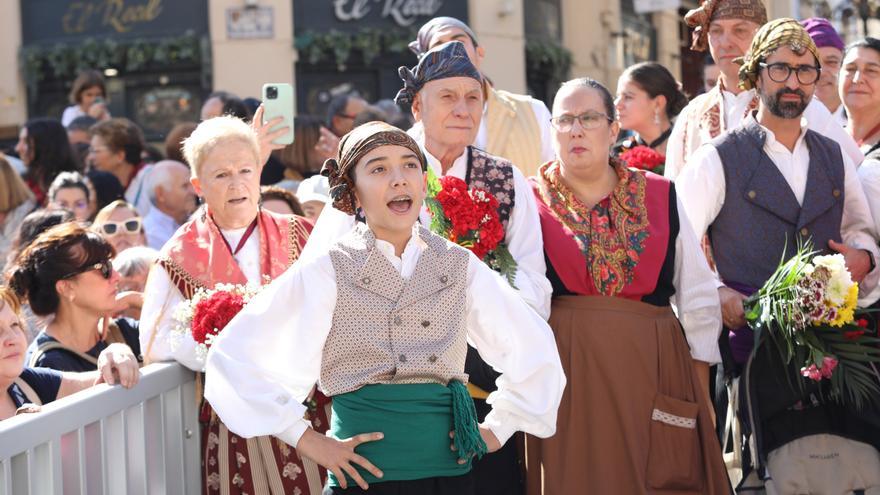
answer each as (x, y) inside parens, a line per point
(387, 329)
(513, 131)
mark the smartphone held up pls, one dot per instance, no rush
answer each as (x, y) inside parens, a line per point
(278, 102)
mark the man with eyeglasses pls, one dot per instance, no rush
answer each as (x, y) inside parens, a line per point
(726, 28)
(342, 111)
(761, 189)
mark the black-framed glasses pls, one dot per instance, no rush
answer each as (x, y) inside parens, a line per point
(589, 120)
(105, 267)
(130, 226)
(780, 72)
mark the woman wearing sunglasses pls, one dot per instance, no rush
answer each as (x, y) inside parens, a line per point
(120, 224)
(29, 387)
(67, 272)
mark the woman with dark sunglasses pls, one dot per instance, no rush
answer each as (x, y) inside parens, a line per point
(67, 272)
(120, 224)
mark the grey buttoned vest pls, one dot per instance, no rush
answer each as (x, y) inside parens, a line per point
(387, 329)
(761, 218)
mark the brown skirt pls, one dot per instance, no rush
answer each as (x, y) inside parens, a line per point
(632, 419)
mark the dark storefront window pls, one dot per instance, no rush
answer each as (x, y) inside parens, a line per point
(155, 55)
(548, 63)
(358, 45)
(639, 35)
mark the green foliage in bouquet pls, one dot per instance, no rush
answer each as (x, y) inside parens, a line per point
(807, 309)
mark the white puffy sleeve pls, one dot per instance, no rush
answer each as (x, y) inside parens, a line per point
(159, 342)
(265, 362)
(527, 247)
(696, 295)
(512, 338)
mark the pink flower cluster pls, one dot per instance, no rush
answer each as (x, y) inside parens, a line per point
(818, 374)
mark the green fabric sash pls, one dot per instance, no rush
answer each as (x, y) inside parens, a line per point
(416, 420)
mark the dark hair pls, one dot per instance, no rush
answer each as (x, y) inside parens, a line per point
(370, 114)
(82, 123)
(587, 82)
(174, 140)
(67, 180)
(121, 134)
(277, 193)
(107, 188)
(51, 150)
(33, 225)
(252, 104)
(56, 254)
(337, 106)
(656, 80)
(85, 80)
(295, 156)
(236, 107)
(867, 42)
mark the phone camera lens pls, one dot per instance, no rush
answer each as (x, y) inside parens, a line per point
(272, 92)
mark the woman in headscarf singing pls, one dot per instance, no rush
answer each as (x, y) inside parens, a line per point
(381, 320)
(634, 417)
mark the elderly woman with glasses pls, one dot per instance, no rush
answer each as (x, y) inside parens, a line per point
(229, 241)
(121, 225)
(66, 272)
(635, 414)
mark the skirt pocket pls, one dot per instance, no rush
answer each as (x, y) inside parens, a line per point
(674, 456)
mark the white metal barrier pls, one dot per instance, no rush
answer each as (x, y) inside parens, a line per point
(108, 440)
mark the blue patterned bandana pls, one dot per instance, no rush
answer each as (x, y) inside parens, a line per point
(447, 60)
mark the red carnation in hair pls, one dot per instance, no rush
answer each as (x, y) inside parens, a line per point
(211, 315)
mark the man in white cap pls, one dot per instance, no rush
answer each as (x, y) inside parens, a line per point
(313, 194)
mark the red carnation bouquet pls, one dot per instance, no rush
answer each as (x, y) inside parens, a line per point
(208, 312)
(469, 218)
(644, 158)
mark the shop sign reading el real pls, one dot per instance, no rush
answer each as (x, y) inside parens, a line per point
(403, 12)
(45, 21)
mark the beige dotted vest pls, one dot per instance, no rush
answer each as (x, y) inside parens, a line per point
(387, 329)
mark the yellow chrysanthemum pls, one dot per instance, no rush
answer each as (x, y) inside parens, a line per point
(846, 312)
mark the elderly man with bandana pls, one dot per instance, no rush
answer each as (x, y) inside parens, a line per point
(446, 94)
(516, 127)
(726, 28)
(759, 190)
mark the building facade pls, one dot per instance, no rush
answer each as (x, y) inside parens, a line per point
(163, 57)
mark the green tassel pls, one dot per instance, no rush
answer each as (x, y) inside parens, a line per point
(468, 441)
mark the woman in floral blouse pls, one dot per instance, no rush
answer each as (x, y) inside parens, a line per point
(634, 417)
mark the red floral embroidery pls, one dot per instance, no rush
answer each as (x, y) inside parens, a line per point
(612, 233)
